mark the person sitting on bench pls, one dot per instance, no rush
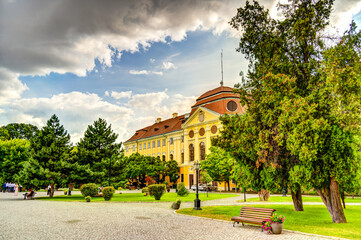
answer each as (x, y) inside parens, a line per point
(30, 194)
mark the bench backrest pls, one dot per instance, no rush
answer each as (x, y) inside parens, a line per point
(256, 213)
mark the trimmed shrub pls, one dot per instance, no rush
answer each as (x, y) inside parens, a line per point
(89, 189)
(88, 198)
(182, 191)
(66, 192)
(176, 204)
(145, 190)
(108, 193)
(156, 190)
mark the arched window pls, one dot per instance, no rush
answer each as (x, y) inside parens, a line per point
(202, 151)
(163, 157)
(171, 157)
(191, 152)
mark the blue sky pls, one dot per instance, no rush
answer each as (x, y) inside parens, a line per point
(128, 62)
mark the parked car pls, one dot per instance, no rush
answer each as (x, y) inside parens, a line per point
(201, 187)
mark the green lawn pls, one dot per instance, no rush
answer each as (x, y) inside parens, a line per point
(139, 197)
(304, 199)
(315, 219)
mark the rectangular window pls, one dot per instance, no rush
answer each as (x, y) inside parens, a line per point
(140, 146)
(163, 142)
(158, 143)
(171, 140)
(182, 177)
(153, 144)
(144, 146)
(182, 157)
(182, 138)
(133, 147)
(148, 144)
(127, 149)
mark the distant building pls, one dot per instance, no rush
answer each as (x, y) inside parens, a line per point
(186, 138)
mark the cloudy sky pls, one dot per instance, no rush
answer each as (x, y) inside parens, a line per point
(128, 62)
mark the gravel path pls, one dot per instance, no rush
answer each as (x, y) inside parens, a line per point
(35, 219)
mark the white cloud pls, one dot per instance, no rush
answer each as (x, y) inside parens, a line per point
(10, 86)
(152, 60)
(157, 73)
(118, 95)
(144, 72)
(168, 65)
(75, 110)
(141, 72)
(106, 93)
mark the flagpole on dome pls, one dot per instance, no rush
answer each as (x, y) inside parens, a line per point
(222, 67)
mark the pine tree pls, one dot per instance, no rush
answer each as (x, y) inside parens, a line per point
(50, 165)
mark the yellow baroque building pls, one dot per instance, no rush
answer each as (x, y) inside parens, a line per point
(186, 138)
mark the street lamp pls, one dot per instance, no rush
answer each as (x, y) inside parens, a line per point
(197, 202)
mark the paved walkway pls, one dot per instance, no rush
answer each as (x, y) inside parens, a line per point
(27, 219)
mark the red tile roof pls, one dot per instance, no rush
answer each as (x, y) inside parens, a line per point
(166, 126)
(215, 91)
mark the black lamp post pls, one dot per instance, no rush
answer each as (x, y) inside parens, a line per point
(197, 201)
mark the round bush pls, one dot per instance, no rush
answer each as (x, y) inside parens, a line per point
(182, 191)
(145, 190)
(108, 193)
(156, 190)
(88, 198)
(89, 189)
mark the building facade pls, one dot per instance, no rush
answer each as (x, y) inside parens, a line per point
(186, 138)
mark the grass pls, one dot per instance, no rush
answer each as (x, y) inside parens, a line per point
(304, 199)
(314, 219)
(139, 197)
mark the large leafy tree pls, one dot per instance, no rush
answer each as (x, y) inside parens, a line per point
(13, 154)
(21, 130)
(93, 153)
(289, 46)
(322, 126)
(293, 46)
(50, 163)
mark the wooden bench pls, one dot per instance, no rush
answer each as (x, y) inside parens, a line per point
(253, 215)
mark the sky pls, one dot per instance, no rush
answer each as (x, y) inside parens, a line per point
(128, 62)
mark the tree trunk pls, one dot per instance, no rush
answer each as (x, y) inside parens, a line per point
(331, 198)
(229, 186)
(297, 200)
(343, 199)
(51, 190)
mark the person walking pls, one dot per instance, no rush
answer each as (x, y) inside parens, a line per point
(49, 189)
(16, 189)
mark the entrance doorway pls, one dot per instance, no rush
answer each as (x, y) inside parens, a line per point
(190, 180)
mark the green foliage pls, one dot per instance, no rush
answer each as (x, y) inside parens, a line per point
(219, 165)
(108, 193)
(50, 163)
(19, 131)
(205, 178)
(178, 201)
(92, 157)
(88, 198)
(145, 190)
(182, 191)
(90, 189)
(13, 155)
(302, 102)
(139, 167)
(156, 190)
(65, 192)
